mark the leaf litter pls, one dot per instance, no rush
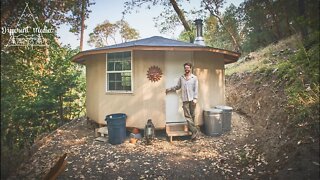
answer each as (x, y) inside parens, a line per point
(225, 157)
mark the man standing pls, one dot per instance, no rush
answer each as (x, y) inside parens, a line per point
(188, 83)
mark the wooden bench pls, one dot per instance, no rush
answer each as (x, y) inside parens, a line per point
(177, 129)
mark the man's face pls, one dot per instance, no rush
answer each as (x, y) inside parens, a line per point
(187, 69)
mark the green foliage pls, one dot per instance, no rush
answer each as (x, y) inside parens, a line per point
(34, 102)
(257, 23)
(301, 73)
(185, 35)
(77, 8)
(266, 22)
(126, 32)
(217, 35)
(103, 33)
(252, 25)
(54, 13)
(41, 88)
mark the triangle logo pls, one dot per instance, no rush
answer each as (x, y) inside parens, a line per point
(26, 35)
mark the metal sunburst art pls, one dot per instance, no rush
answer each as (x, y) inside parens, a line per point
(154, 73)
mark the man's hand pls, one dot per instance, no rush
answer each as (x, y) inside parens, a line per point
(195, 101)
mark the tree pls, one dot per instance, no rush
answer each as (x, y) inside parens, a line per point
(79, 13)
(217, 36)
(83, 7)
(53, 12)
(126, 32)
(168, 13)
(36, 97)
(187, 35)
(214, 6)
(269, 21)
(102, 33)
(41, 88)
(182, 18)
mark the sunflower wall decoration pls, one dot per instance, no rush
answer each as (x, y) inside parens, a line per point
(154, 73)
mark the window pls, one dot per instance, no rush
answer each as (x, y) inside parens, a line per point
(119, 72)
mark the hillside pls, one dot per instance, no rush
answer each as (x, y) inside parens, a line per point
(279, 94)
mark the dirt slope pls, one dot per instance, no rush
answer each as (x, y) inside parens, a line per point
(261, 98)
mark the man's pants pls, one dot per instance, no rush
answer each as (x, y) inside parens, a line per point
(189, 108)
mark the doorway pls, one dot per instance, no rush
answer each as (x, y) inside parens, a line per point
(173, 71)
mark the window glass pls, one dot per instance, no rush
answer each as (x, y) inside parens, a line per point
(110, 66)
(119, 73)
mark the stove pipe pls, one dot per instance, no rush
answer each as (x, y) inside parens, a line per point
(199, 38)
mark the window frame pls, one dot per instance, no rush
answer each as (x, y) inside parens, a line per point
(116, 71)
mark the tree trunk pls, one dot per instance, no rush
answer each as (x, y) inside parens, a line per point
(83, 9)
(182, 18)
(234, 39)
(275, 19)
(289, 31)
(61, 108)
(302, 13)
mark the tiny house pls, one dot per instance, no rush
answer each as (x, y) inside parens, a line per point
(131, 78)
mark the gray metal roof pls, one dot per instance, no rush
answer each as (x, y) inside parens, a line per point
(159, 43)
(151, 41)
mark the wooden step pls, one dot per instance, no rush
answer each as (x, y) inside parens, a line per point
(177, 129)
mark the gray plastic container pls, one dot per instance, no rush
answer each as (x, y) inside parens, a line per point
(226, 117)
(213, 122)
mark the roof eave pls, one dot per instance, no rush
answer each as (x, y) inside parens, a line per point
(229, 56)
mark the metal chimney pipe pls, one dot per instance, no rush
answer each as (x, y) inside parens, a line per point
(199, 34)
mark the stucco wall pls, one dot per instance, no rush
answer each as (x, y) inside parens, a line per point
(95, 70)
(145, 102)
(209, 68)
(148, 99)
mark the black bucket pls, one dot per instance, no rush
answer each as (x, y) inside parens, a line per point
(116, 128)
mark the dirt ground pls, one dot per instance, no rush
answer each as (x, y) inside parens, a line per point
(229, 156)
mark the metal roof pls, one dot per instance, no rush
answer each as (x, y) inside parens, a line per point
(158, 43)
(152, 41)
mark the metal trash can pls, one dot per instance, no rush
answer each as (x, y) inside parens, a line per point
(213, 122)
(226, 117)
(116, 124)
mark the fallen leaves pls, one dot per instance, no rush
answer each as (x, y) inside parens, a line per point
(204, 158)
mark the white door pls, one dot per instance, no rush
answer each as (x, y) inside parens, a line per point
(173, 70)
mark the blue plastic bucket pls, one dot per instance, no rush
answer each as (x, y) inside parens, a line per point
(116, 124)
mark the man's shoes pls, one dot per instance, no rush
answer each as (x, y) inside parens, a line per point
(194, 135)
